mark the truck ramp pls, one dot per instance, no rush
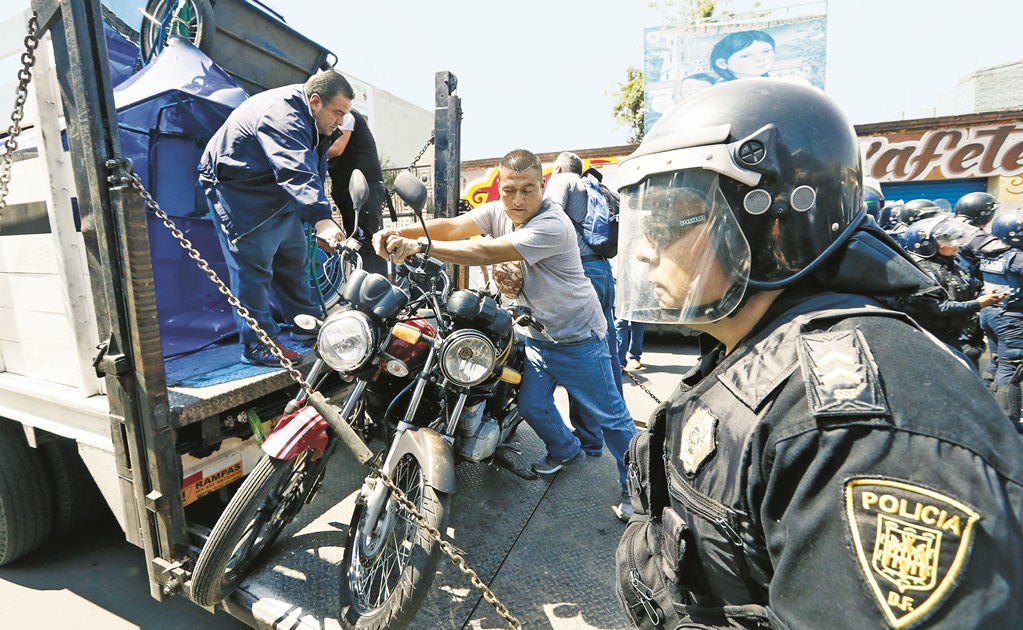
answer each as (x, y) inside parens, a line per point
(545, 547)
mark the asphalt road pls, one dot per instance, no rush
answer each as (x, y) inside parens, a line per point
(94, 579)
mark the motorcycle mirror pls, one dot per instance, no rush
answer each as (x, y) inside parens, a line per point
(306, 322)
(357, 188)
(412, 191)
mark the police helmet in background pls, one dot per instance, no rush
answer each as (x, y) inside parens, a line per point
(873, 197)
(923, 237)
(888, 218)
(977, 208)
(917, 210)
(743, 188)
(1009, 227)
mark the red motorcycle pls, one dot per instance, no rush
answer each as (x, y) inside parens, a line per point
(434, 374)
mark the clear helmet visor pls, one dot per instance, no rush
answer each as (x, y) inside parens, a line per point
(682, 257)
(952, 232)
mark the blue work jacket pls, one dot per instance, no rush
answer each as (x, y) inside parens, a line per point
(267, 158)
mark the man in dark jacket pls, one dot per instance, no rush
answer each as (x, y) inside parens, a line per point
(263, 174)
(827, 455)
(357, 149)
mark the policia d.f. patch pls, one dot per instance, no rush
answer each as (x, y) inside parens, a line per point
(911, 544)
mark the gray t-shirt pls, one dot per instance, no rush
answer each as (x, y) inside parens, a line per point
(568, 191)
(553, 282)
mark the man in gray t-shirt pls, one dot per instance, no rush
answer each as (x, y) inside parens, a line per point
(529, 229)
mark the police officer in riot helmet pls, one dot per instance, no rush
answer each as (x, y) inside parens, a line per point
(801, 467)
(873, 197)
(917, 210)
(1003, 323)
(951, 313)
(977, 208)
(1009, 229)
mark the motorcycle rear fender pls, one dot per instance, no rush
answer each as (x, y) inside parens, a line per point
(299, 432)
(434, 456)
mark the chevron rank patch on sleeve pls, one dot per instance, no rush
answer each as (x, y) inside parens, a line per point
(840, 373)
(911, 544)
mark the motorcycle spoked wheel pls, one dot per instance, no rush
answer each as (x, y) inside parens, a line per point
(266, 501)
(386, 575)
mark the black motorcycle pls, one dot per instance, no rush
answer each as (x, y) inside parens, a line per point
(435, 375)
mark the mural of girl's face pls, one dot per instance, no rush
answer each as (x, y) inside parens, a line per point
(752, 61)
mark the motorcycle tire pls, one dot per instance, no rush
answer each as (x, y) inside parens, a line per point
(266, 501)
(380, 589)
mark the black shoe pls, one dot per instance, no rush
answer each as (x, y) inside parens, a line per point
(256, 353)
(548, 465)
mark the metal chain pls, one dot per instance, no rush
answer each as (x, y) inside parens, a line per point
(643, 387)
(28, 59)
(452, 553)
(135, 182)
(421, 153)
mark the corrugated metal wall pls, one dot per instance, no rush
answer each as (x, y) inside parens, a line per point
(950, 189)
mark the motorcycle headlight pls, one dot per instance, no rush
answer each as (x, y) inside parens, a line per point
(467, 357)
(346, 340)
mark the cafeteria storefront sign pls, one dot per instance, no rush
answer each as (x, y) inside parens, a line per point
(985, 151)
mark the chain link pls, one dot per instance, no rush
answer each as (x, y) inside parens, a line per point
(643, 387)
(135, 182)
(422, 151)
(11, 145)
(28, 60)
(452, 553)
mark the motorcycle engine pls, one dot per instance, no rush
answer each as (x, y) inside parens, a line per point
(480, 434)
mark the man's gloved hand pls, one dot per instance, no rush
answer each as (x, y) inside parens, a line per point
(329, 235)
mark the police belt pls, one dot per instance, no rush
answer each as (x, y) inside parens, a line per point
(591, 258)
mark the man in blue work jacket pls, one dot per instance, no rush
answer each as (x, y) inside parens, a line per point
(263, 174)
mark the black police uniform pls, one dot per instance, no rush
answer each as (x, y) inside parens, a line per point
(953, 318)
(1004, 326)
(838, 469)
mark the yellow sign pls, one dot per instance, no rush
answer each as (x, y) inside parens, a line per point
(195, 488)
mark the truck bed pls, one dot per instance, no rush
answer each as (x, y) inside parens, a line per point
(212, 380)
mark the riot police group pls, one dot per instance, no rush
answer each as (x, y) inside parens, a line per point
(834, 459)
(974, 258)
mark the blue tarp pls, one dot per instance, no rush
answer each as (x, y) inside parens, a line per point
(166, 113)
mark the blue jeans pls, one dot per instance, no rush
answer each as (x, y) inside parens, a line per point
(587, 428)
(585, 370)
(630, 340)
(271, 256)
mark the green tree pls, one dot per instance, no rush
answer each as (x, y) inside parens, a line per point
(628, 105)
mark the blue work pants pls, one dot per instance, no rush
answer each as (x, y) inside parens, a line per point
(598, 270)
(630, 340)
(584, 369)
(271, 256)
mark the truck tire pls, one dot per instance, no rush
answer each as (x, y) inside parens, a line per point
(26, 500)
(76, 499)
